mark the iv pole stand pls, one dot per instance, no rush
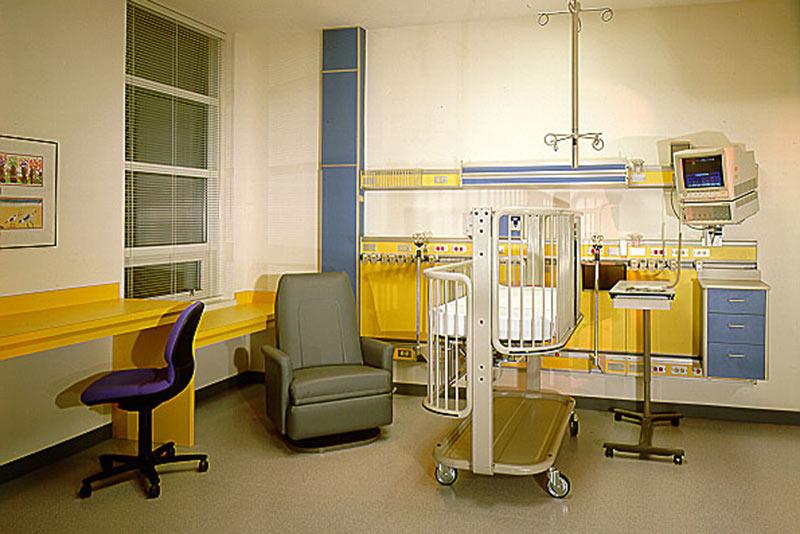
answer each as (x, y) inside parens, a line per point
(574, 9)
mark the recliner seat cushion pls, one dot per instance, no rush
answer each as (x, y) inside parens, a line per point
(322, 384)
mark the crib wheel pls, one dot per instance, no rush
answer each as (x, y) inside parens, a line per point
(445, 475)
(557, 484)
(574, 426)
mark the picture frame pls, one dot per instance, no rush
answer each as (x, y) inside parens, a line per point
(28, 192)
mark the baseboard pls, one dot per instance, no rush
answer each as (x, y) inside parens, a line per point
(31, 462)
(34, 461)
(232, 382)
(700, 411)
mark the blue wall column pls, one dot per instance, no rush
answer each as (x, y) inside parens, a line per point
(342, 149)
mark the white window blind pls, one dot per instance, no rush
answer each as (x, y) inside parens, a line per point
(172, 118)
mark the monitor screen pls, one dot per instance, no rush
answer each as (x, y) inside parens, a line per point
(702, 171)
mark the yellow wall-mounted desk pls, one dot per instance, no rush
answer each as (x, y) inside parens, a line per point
(47, 320)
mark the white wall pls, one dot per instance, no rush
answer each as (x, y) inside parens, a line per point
(53, 57)
(276, 117)
(489, 91)
(69, 86)
(63, 66)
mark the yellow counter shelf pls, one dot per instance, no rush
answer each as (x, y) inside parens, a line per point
(53, 327)
(50, 327)
(139, 328)
(244, 317)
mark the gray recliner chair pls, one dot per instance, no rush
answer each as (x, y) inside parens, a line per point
(323, 379)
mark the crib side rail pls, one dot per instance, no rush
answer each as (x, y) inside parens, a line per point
(534, 279)
(449, 339)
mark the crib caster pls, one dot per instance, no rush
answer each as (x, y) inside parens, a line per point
(557, 484)
(574, 426)
(445, 475)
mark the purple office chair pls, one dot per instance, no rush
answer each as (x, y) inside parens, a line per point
(142, 390)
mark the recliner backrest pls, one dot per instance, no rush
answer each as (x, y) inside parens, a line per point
(315, 315)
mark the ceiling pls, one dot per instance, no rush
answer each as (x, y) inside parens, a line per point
(271, 15)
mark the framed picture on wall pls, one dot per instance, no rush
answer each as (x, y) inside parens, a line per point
(28, 186)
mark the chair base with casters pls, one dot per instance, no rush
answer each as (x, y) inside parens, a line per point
(141, 391)
(144, 462)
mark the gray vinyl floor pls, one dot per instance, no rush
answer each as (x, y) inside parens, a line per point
(737, 478)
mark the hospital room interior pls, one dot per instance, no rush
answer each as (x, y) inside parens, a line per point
(382, 266)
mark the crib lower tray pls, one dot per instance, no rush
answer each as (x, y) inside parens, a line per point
(528, 429)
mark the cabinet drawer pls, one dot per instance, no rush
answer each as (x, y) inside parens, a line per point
(736, 361)
(737, 301)
(727, 328)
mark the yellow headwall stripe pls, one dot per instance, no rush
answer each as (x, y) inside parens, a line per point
(652, 178)
(746, 253)
(41, 300)
(410, 179)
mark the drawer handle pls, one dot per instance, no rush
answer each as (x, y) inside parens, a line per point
(735, 326)
(735, 355)
(737, 301)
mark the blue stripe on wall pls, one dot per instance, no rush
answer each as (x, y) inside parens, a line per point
(342, 119)
(340, 49)
(339, 118)
(339, 238)
(546, 168)
(363, 34)
(555, 180)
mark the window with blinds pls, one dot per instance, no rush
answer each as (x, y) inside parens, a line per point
(172, 116)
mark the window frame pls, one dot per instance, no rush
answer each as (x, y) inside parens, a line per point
(209, 252)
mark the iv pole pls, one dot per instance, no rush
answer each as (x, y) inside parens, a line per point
(574, 10)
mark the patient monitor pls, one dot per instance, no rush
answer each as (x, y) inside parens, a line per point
(716, 186)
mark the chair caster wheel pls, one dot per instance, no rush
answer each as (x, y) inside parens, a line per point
(203, 466)
(85, 491)
(617, 417)
(609, 453)
(678, 459)
(675, 422)
(154, 491)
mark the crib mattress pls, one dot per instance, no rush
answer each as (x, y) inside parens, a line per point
(450, 318)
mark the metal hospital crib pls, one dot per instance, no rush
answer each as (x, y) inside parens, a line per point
(518, 297)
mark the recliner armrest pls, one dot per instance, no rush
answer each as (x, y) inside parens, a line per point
(377, 353)
(277, 377)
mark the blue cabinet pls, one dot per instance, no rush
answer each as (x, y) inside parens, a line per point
(735, 339)
(731, 360)
(737, 301)
(729, 328)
